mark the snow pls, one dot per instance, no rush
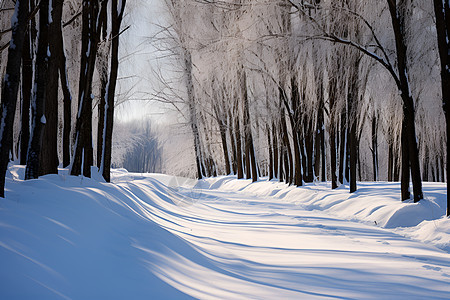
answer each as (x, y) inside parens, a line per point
(50, 12)
(153, 236)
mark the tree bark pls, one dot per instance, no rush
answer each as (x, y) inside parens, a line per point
(103, 70)
(10, 87)
(408, 103)
(375, 146)
(49, 152)
(442, 12)
(116, 20)
(38, 118)
(332, 131)
(83, 158)
(237, 132)
(405, 193)
(294, 119)
(27, 86)
(67, 102)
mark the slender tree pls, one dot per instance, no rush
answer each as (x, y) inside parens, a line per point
(117, 11)
(442, 12)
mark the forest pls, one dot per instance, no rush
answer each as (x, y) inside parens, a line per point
(224, 149)
(307, 91)
(299, 91)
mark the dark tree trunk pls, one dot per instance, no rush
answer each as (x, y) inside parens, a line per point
(276, 150)
(250, 161)
(352, 146)
(67, 105)
(233, 142)
(436, 170)
(294, 119)
(116, 20)
(321, 142)
(309, 146)
(83, 158)
(408, 103)
(289, 163)
(390, 161)
(375, 146)
(103, 70)
(397, 167)
(342, 147)
(27, 86)
(426, 164)
(49, 152)
(38, 118)
(237, 132)
(10, 87)
(442, 12)
(333, 128)
(286, 148)
(223, 137)
(405, 194)
(269, 143)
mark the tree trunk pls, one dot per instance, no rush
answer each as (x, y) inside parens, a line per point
(223, 137)
(332, 132)
(116, 20)
(237, 131)
(309, 145)
(408, 103)
(103, 70)
(375, 146)
(233, 142)
(49, 152)
(442, 12)
(38, 118)
(67, 105)
(276, 150)
(269, 143)
(390, 161)
(10, 87)
(405, 194)
(83, 158)
(352, 141)
(27, 86)
(294, 119)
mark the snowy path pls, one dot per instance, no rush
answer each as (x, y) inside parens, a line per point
(65, 237)
(263, 249)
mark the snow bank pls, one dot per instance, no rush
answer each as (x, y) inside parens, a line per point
(66, 237)
(374, 203)
(153, 236)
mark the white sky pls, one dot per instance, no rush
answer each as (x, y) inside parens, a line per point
(138, 61)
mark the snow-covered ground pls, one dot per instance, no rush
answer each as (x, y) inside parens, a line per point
(150, 236)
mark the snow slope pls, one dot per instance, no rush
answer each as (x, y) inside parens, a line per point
(373, 203)
(155, 237)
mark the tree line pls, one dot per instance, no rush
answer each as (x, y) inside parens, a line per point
(40, 80)
(305, 91)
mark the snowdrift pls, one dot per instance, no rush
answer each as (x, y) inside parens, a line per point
(65, 237)
(375, 203)
(153, 236)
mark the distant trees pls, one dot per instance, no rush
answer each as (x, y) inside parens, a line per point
(307, 91)
(138, 148)
(41, 74)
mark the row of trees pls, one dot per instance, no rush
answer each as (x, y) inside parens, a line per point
(36, 77)
(319, 90)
